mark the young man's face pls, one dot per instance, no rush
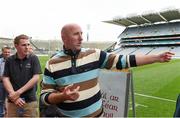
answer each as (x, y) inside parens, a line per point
(23, 47)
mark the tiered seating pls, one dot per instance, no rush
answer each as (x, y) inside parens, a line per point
(159, 50)
(126, 51)
(156, 30)
(143, 51)
(176, 50)
(150, 33)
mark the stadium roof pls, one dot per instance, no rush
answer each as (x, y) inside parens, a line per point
(5, 38)
(150, 18)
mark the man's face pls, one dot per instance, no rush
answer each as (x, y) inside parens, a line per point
(73, 38)
(30, 49)
(23, 47)
(6, 52)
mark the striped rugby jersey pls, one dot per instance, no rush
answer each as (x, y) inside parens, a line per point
(63, 69)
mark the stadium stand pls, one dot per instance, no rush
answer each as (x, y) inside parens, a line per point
(51, 46)
(159, 50)
(150, 33)
(175, 50)
(143, 50)
(128, 50)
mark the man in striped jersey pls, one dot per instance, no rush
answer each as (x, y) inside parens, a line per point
(71, 76)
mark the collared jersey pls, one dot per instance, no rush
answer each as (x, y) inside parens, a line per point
(82, 70)
(20, 71)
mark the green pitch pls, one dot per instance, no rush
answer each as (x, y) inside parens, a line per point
(156, 87)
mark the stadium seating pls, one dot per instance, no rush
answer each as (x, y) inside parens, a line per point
(150, 33)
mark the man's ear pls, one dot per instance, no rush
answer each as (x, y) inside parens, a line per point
(64, 39)
(15, 45)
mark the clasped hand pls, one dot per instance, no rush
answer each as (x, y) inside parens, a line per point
(15, 98)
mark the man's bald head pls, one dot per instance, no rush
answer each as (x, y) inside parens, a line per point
(71, 35)
(67, 28)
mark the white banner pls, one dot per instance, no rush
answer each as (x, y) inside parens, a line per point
(115, 91)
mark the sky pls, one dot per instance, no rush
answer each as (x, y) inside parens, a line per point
(43, 19)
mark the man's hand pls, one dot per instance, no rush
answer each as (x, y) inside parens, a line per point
(71, 92)
(20, 102)
(165, 57)
(13, 96)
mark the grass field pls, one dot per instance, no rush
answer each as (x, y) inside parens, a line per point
(156, 87)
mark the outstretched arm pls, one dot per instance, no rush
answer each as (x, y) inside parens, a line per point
(148, 59)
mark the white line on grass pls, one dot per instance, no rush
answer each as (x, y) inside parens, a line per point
(136, 105)
(140, 105)
(154, 97)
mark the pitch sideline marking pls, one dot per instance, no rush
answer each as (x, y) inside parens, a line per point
(154, 97)
(137, 105)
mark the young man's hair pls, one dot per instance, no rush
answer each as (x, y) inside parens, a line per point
(5, 47)
(22, 36)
